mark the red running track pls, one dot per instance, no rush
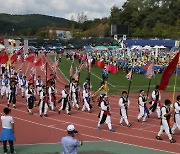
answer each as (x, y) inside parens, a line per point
(32, 129)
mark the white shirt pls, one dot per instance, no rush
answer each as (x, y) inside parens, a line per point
(121, 104)
(141, 102)
(163, 111)
(86, 93)
(7, 121)
(154, 96)
(177, 107)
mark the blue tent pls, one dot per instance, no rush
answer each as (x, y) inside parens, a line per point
(88, 47)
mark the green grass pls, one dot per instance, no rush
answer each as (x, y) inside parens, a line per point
(119, 80)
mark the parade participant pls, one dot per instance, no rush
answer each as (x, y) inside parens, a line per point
(7, 133)
(4, 86)
(87, 83)
(75, 95)
(165, 121)
(23, 85)
(12, 93)
(65, 105)
(104, 74)
(105, 115)
(156, 98)
(39, 84)
(30, 95)
(124, 105)
(51, 94)
(43, 102)
(70, 87)
(3, 68)
(142, 103)
(176, 115)
(86, 99)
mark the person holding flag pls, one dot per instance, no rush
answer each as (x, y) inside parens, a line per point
(65, 105)
(86, 98)
(176, 115)
(43, 102)
(124, 104)
(156, 98)
(105, 115)
(23, 85)
(142, 103)
(165, 121)
(39, 84)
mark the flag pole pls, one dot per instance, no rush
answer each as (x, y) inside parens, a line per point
(175, 82)
(149, 87)
(130, 84)
(46, 79)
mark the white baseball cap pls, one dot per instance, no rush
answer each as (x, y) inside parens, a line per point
(70, 128)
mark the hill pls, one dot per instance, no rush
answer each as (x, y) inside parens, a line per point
(22, 24)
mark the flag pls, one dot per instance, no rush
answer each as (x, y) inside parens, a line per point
(145, 67)
(71, 70)
(33, 70)
(168, 72)
(30, 58)
(38, 62)
(20, 52)
(55, 64)
(43, 67)
(9, 63)
(4, 58)
(14, 58)
(75, 76)
(129, 75)
(150, 71)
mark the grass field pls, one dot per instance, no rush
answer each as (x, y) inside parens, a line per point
(118, 82)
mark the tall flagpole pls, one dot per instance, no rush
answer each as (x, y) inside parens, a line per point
(46, 80)
(175, 82)
(130, 84)
(149, 87)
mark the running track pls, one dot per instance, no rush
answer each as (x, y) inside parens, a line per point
(32, 129)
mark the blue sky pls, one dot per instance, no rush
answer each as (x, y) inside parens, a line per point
(60, 8)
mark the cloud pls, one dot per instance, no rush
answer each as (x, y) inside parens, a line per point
(60, 8)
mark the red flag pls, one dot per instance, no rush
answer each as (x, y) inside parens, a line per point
(20, 52)
(129, 75)
(168, 72)
(3, 58)
(145, 67)
(55, 64)
(150, 71)
(30, 58)
(14, 58)
(71, 70)
(43, 67)
(39, 62)
(114, 69)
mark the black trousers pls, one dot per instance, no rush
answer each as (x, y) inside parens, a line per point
(12, 98)
(11, 144)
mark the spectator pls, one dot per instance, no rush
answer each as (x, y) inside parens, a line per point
(7, 133)
(71, 141)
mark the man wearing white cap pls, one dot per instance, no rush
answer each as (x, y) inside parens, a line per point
(71, 141)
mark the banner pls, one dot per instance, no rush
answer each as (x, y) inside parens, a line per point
(168, 72)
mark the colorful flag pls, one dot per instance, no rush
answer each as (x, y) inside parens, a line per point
(75, 76)
(129, 75)
(20, 52)
(55, 64)
(150, 71)
(71, 70)
(14, 58)
(43, 67)
(168, 72)
(4, 58)
(38, 62)
(145, 67)
(30, 58)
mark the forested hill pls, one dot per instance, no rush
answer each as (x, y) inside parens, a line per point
(19, 24)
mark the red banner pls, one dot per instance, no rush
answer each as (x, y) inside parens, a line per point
(168, 72)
